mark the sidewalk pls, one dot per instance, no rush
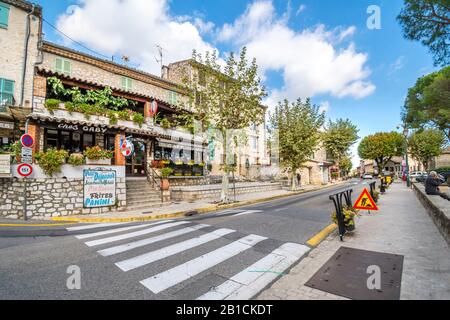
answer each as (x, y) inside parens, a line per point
(180, 209)
(402, 226)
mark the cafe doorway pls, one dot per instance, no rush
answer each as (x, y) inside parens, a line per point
(136, 164)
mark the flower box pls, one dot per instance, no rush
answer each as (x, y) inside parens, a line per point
(106, 162)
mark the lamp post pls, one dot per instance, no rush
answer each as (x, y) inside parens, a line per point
(405, 134)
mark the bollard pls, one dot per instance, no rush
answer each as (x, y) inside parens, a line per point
(338, 201)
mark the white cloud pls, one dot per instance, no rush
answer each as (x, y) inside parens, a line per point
(300, 9)
(313, 61)
(324, 106)
(397, 65)
(133, 28)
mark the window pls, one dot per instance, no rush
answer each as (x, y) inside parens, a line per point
(63, 66)
(255, 143)
(4, 15)
(172, 97)
(201, 78)
(6, 92)
(127, 84)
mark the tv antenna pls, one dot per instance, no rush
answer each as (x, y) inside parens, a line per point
(161, 54)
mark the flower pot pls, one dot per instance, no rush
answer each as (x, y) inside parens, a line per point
(106, 162)
(350, 228)
(165, 185)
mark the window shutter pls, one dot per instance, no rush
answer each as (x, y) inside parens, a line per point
(8, 86)
(59, 65)
(67, 67)
(129, 84)
(4, 15)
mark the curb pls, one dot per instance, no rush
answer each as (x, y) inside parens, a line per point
(24, 225)
(180, 214)
(319, 237)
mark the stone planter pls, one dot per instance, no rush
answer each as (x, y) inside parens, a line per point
(105, 162)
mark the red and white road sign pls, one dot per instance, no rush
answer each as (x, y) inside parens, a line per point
(27, 140)
(25, 170)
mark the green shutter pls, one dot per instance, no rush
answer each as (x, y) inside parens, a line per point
(59, 65)
(63, 66)
(127, 84)
(6, 91)
(67, 69)
(8, 86)
(4, 15)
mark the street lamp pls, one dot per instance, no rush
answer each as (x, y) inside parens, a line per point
(405, 134)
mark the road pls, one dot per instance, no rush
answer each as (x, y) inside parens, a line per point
(227, 254)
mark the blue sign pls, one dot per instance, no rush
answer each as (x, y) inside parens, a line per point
(99, 188)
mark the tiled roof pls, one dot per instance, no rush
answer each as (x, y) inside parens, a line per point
(25, 5)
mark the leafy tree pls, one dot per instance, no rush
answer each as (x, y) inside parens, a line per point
(346, 164)
(426, 144)
(297, 126)
(381, 147)
(428, 21)
(227, 99)
(428, 102)
(338, 137)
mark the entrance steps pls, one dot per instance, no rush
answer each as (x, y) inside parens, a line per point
(141, 195)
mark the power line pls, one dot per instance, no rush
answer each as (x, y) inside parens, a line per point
(81, 45)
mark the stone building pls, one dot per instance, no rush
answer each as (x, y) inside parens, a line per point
(20, 37)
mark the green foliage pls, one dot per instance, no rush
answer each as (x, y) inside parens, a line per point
(166, 172)
(338, 137)
(428, 102)
(442, 170)
(76, 159)
(381, 147)
(346, 164)
(97, 153)
(426, 144)
(138, 118)
(349, 217)
(165, 123)
(296, 127)
(52, 104)
(16, 149)
(51, 161)
(428, 21)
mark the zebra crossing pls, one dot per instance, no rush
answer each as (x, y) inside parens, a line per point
(194, 251)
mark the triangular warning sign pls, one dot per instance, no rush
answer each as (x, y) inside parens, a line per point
(365, 202)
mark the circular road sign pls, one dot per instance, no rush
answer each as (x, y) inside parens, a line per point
(25, 170)
(27, 140)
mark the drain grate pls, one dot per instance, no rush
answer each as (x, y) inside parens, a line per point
(347, 272)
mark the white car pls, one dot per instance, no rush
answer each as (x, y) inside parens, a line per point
(367, 176)
(415, 174)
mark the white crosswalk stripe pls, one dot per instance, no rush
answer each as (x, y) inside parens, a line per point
(94, 226)
(248, 283)
(247, 212)
(162, 253)
(169, 278)
(101, 233)
(134, 234)
(144, 242)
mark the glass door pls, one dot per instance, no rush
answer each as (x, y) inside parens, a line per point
(135, 165)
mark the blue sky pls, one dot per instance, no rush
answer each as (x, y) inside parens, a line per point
(363, 76)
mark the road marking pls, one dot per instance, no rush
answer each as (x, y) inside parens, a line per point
(247, 212)
(171, 277)
(248, 283)
(144, 242)
(97, 225)
(101, 233)
(165, 252)
(315, 240)
(29, 225)
(134, 234)
(227, 212)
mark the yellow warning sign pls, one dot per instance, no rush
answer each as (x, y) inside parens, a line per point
(365, 202)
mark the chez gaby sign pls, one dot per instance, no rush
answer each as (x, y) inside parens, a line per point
(74, 127)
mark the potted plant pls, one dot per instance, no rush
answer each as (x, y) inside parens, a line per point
(376, 195)
(51, 161)
(165, 174)
(98, 156)
(349, 218)
(76, 159)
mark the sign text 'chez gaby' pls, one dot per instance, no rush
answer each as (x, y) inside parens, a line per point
(74, 127)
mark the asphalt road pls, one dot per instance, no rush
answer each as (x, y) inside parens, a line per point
(227, 254)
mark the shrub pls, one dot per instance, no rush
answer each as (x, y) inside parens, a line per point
(76, 159)
(97, 153)
(349, 216)
(52, 105)
(138, 118)
(166, 172)
(51, 161)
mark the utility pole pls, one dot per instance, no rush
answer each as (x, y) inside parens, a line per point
(160, 53)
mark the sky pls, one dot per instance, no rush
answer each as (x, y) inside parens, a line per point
(322, 49)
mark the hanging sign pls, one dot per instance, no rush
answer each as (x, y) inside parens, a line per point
(25, 170)
(99, 188)
(27, 140)
(153, 108)
(365, 202)
(126, 147)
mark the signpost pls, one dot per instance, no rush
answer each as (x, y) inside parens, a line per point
(25, 169)
(27, 140)
(27, 155)
(365, 202)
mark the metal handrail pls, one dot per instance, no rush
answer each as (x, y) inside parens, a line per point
(154, 179)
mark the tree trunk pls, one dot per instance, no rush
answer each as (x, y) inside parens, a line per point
(224, 198)
(294, 178)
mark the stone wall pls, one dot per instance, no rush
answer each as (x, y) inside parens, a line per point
(53, 197)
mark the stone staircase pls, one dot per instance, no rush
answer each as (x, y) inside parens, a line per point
(141, 195)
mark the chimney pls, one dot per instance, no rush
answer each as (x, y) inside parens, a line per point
(165, 72)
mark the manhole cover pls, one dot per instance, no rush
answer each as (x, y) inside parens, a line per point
(349, 270)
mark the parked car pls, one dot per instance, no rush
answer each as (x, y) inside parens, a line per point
(445, 174)
(422, 177)
(367, 176)
(413, 175)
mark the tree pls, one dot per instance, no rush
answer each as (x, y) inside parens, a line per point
(346, 164)
(426, 144)
(428, 21)
(227, 99)
(338, 137)
(297, 127)
(381, 147)
(428, 102)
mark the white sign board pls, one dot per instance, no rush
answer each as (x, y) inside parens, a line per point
(6, 125)
(27, 155)
(5, 164)
(99, 188)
